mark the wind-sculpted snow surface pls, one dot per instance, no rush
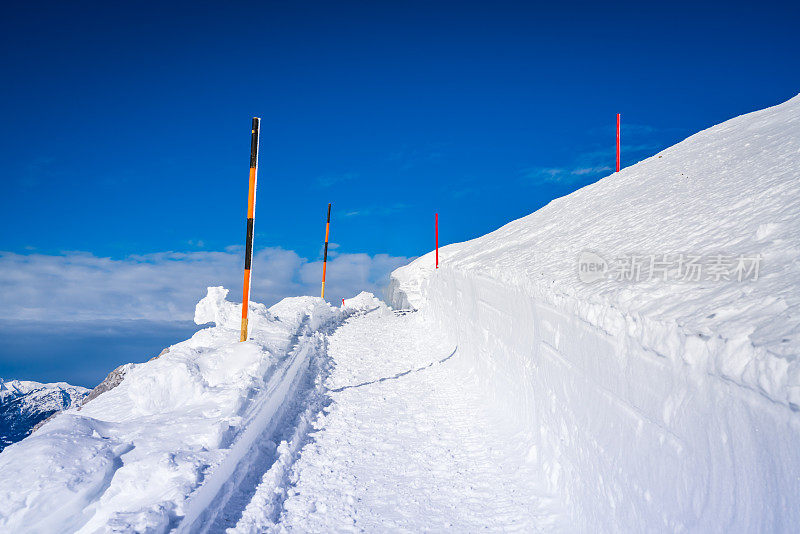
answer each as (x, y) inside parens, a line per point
(141, 456)
(656, 400)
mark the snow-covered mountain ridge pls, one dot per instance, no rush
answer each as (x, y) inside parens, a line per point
(24, 404)
(676, 395)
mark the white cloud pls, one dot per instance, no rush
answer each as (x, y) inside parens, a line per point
(563, 175)
(79, 286)
(598, 158)
(581, 171)
(380, 211)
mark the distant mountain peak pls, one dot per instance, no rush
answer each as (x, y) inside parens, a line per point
(24, 404)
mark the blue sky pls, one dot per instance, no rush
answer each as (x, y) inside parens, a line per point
(126, 138)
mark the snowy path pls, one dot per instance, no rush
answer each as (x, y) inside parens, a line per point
(406, 444)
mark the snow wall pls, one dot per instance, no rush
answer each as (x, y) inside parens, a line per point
(645, 410)
(634, 441)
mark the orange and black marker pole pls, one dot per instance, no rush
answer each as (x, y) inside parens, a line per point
(325, 257)
(251, 214)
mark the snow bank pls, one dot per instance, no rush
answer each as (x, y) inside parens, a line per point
(364, 301)
(405, 291)
(657, 404)
(138, 456)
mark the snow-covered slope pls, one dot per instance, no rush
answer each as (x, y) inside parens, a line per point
(24, 404)
(165, 447)
(657, 397)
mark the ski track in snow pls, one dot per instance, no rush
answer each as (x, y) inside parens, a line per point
(406, 443)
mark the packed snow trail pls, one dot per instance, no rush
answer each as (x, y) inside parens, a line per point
(407, 443)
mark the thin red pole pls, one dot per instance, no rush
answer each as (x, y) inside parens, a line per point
(437, 240)
(617, 142)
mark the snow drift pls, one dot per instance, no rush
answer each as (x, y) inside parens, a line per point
(653, 403)
(156, 451)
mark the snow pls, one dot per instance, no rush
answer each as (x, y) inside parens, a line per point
(405, 444)
(134, 457)
(523, 394)
(660, 404)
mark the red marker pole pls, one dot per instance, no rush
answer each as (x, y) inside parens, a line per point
(617, 142)
(437, 240)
